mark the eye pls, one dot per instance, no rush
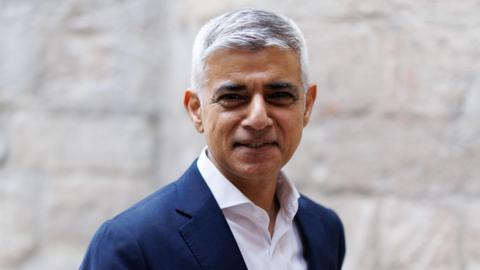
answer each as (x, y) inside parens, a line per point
(281, 98)
(230, 100)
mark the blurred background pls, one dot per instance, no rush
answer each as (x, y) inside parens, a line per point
(91, 121)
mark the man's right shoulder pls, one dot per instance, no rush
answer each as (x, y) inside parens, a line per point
(155, 205)
(135, 237)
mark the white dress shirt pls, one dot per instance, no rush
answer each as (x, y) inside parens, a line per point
(249, 223)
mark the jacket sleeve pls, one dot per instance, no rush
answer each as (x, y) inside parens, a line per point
(113, 247)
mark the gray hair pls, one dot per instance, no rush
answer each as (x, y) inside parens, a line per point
(247, 29)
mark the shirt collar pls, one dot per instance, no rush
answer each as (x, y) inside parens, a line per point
(287, 196)
(227, 195)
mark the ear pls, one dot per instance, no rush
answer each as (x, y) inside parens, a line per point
(192, 104)
(310, 97)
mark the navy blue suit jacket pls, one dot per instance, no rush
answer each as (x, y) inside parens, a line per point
(181, 227)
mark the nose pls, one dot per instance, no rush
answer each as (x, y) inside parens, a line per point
(257, 116)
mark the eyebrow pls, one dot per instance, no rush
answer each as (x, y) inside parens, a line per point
(281, 86)
(236, 87)
(231, 86)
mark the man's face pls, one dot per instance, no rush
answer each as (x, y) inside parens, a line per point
(252, 110)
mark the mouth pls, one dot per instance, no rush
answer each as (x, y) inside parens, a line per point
(254, 145)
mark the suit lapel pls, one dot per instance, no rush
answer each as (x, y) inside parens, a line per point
(313, 237)
(206, 232)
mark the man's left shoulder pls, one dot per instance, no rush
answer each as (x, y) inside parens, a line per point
(323, 231)
(319, 213)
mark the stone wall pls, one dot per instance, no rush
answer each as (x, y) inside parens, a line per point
(91, 121)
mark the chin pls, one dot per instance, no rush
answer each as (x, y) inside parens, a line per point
(258, 169)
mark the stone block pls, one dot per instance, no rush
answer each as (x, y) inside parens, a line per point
(331, 11)
(107, 144)
(382, 155)
(394, 58)
(20, 208)
(3, 148)
(178, 146)
(349, 67)
(432, 68)
(48, 258)
(418, 235)
(447, 14)
(77, 204)
(82, 56)
(359, 216)
(190, 10)
(99, 73)
(471, 235)
(463, 143)
(20, 49)
(472, 100)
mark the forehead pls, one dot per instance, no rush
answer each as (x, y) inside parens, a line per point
(266, 64)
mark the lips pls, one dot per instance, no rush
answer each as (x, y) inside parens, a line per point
(254, 145)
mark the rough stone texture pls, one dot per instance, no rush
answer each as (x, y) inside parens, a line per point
(60, 142)
(471, 235)
(464, 143)
(48, 257)
(77, 55)
(360, 220)
(62, 211)
(418, 235)
(20, 204)
(91, 121)
(391, 155)
(3, 148)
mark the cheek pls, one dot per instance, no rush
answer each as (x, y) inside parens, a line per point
(290, 121)
(220, 128)
(291, 127)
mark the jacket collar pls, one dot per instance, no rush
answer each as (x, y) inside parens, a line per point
(313, 236)
(206, 232)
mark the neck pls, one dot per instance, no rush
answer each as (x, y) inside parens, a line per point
(262, 194)
(260, 190)
(263, 197)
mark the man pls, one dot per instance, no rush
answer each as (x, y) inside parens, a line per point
(234, 208)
